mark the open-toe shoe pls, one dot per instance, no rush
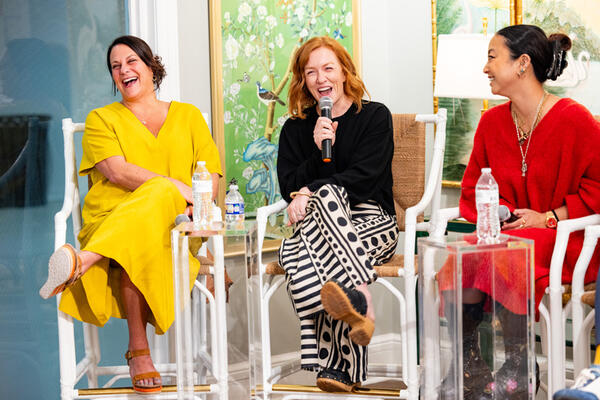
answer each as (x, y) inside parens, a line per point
(146, 375)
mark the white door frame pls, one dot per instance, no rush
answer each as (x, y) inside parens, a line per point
(155, 21)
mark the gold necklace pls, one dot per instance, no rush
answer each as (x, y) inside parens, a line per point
(521, 137)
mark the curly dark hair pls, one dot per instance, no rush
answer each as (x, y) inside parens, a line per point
(143, 51)
(548, 54)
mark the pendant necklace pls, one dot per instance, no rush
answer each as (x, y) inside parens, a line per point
(521, 137)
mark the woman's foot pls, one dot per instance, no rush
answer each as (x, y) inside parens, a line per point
(144, 377)
(333, 380)
(350, 306)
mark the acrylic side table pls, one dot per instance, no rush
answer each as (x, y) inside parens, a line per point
(188, 359)
(463, 285)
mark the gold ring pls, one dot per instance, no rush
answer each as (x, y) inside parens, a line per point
(522, 223)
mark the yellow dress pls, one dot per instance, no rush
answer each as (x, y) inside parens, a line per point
(133, 228)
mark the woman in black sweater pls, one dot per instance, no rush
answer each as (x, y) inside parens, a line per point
(343, 211)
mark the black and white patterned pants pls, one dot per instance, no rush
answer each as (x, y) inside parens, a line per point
(334, 242)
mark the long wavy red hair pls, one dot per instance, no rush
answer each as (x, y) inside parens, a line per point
(299, 98)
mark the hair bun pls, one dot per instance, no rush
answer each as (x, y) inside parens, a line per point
(559, 45)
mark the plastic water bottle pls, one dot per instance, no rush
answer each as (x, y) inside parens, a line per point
(202, 197)
(234, 208)
(486, 198)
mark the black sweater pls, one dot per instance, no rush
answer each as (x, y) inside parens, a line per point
(362, 156)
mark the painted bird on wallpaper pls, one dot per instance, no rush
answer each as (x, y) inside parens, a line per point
(266, 96)
(245, 78)
(337, 34)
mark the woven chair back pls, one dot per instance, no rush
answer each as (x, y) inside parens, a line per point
(408, 164)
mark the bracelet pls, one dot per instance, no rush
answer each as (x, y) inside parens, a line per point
(294, 194)
(555, 216)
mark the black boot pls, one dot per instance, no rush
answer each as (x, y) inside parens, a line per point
(477, 377)
(511, 381)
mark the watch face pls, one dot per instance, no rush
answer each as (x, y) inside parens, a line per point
(551, 222)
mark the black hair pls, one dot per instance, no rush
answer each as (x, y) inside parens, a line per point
(548, 54)
(143, 51)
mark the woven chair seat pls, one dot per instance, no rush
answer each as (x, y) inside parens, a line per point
(587, 297)
(205, 264)
(389, 269)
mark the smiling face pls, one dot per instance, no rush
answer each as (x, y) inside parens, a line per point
(501, 69)
(324, 76)
(131, 75)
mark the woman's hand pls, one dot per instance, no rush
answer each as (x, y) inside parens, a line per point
(297, 208)
(527, 219)
(185, 190)
(324, 129)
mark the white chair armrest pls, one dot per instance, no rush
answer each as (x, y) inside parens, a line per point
(592, 233)
(563, 230)
(439, 223)
(262, 214)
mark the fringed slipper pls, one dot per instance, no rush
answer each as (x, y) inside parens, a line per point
(64, 268)
(147, 375)
(350, 306)
(333, 380)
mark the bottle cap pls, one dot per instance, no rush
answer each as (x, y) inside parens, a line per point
(486, 170)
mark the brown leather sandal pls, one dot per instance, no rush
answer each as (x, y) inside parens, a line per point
(64, 268)
(136, 378)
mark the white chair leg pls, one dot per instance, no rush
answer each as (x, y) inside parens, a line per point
(92, 351)
(66, 349)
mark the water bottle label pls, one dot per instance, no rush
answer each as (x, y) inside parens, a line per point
(486, 197)
(234, 208)
(202, 186)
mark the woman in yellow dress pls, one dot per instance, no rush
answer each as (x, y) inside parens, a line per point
(140, 154)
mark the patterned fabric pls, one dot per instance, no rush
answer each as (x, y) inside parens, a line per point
(586, 386)
(334, 242)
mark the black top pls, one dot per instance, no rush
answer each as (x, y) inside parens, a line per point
(362, 155)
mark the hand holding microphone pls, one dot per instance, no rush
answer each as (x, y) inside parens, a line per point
(325, 106)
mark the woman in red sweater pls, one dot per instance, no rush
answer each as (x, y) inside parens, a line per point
(543, 152)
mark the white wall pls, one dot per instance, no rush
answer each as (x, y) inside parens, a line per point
(194, 54)
(396, 54)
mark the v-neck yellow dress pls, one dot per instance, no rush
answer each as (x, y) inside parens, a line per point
(133, 228)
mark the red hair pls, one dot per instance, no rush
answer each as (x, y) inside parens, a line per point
(299, 98)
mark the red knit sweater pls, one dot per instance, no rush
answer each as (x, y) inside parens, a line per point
(563, 168)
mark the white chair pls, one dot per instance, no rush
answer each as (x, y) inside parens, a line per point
(581, 300)
(71, 371)
(552, 314)
(269, 278)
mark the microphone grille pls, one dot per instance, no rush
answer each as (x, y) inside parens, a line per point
(325, 102)
(503, 213)
(181, 218)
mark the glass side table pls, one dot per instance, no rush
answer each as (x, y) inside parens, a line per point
(187, 361)
(476, 319)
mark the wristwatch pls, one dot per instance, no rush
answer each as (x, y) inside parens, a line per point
(551, 221)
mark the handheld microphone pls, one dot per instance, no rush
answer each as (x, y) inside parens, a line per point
(181, 218)
(505, 214)
(325, 106)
